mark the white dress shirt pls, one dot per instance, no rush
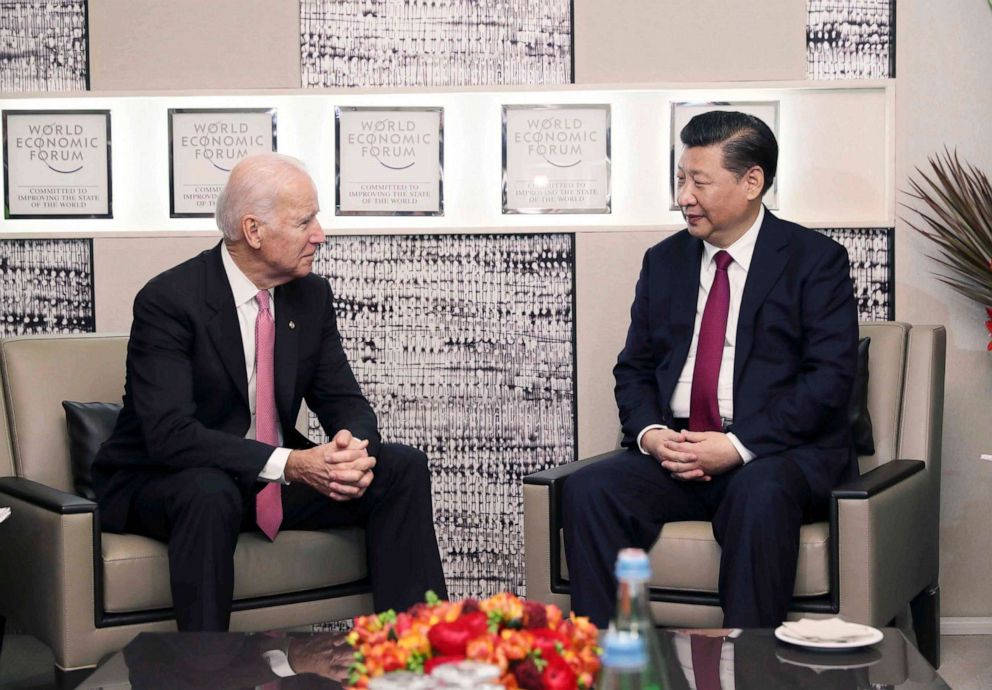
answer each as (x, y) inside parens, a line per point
(244, 300)
(741, 252)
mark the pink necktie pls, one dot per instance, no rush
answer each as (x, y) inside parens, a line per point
(706, 661)
(704, 406)
(268, 501)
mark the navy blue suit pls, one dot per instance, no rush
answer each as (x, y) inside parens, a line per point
(794, 366)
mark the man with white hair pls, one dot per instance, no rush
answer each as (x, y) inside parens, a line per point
(223, 349)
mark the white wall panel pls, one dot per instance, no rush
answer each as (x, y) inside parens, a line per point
(836, 162)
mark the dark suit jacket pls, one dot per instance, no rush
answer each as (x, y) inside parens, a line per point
(796, 347)
(186, 390)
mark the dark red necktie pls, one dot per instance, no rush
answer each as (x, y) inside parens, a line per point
(704, 405)
(706, 661)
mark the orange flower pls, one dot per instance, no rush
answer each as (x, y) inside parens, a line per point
(516, 644)
(489, 631)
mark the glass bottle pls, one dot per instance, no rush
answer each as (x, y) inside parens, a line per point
(633, 611)
(624, 663)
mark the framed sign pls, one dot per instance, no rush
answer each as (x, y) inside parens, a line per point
(766, 111)
(389, 161)
(556, 158)
(204, 144)
(57, 164)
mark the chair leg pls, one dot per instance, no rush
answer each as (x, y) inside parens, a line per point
(925, 607)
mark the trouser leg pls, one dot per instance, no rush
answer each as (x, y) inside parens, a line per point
(621, 501)
(398, 517)
(757, 525)
(198, 512)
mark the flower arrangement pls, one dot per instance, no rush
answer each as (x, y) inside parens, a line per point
(534, 645)
(957, 218)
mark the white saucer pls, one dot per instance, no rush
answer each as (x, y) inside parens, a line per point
(871, 636)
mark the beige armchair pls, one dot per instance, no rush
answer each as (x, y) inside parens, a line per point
(878, 552)
(85, 593)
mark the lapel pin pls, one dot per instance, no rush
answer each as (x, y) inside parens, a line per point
(292, 324)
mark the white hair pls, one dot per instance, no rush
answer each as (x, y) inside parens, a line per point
(253, 189)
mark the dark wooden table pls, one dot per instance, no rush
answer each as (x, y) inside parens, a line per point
(753, 660)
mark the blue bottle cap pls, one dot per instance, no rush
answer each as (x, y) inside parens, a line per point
(633, 564)
(623, 650)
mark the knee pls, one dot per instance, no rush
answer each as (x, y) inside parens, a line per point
(582, 490)
(766, 494)
(210, 492)
(408, 463)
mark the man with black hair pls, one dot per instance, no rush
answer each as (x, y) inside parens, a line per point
(732, 386)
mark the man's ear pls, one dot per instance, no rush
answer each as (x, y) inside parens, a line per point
(250, 227)
(754, 180)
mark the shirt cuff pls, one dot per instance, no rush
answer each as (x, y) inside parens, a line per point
(645, 430)
(746, 455)
(279, 663)
(275, 467)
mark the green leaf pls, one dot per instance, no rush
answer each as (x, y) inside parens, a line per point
(431, 598)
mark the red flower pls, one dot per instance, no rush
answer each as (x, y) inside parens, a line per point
(449, 638)
(470, 606)
(534, 615)
(436, 661)
(527, 675)
(547, 641)
(476, 622)
(558, 675)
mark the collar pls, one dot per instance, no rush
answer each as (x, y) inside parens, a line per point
(743, 249)
(243, 289)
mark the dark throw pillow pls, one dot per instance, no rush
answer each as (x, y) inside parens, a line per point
(89, 424)
(860, 418)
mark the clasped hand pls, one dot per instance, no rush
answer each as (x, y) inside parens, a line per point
(692, 455)
(341, 469)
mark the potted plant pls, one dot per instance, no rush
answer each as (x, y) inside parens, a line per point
(957, 217)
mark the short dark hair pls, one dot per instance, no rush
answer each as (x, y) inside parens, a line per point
(746, 141)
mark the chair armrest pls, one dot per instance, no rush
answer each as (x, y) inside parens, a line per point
(884, 533)
(45, 497)
(553, 475)
(50, 546)
(878, 479)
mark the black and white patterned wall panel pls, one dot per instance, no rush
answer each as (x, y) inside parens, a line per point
(46, 286)
(465, 347)
(43, 45)
(435, 42)
(851, 39)
(872, 255)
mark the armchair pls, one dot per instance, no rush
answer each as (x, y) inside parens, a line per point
(85, 593)
(877, 553)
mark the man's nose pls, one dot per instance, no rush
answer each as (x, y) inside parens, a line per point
(685, 197)
(318, 236)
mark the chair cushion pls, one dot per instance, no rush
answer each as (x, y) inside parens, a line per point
(858, 414)
(88, 424)
(686, 557)
(136, 569)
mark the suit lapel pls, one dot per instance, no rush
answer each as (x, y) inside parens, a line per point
(222, 325)
(767, 263)
(287, 348)
(684, 277)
